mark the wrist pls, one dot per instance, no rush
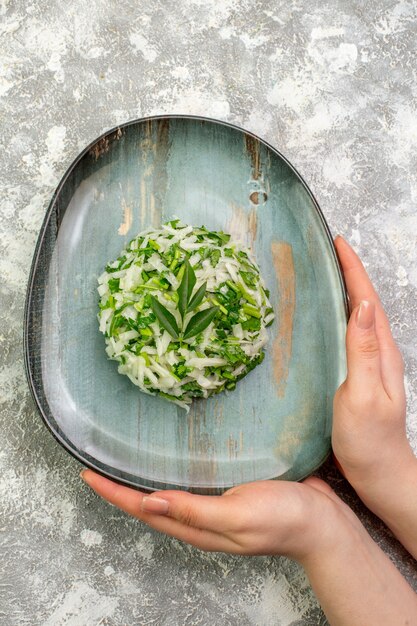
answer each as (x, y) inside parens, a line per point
(324, 526)
(335, 547)
(356, 583)
(390, 485)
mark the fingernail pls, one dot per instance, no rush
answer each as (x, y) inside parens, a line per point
(341, 239)
(365, 315)
(153, 504)
(82, 474)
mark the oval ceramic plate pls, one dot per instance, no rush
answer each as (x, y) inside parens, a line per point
(277, 422)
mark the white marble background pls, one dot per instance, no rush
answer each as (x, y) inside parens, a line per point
(332, 84)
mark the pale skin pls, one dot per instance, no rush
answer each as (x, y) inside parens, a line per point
(355, 582)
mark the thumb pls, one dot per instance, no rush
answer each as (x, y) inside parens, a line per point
(362, 348)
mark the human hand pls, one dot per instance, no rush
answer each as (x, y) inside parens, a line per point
(369, 433)
(306, 522)
(266, 517)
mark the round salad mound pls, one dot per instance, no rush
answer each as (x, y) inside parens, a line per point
(184, 311)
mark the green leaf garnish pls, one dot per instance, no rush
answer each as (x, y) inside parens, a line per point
(199, 322)
(166, 319)
(186, 288)
(197, 297)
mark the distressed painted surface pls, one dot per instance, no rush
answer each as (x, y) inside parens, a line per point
(331, 84)
(282, 258)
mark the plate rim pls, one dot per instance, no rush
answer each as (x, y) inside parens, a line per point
(92, 464)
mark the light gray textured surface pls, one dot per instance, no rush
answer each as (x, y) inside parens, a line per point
(330, 84)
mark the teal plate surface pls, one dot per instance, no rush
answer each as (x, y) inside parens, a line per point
(277, 423)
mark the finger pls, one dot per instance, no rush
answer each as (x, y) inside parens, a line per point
(362, 349)
(130, 500)
(320, 485)
(125, 498)
(360, 288)
(359, 285)
(203, 539)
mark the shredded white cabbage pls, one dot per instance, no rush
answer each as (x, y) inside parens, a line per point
(218, 352)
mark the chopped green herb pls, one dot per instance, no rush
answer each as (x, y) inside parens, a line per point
(252, 311)
(215, 257)
(252, 324)
(153, 244)
(114, 284)
(145, 357)
(181, 370)
(116, 323)
(249, 278)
